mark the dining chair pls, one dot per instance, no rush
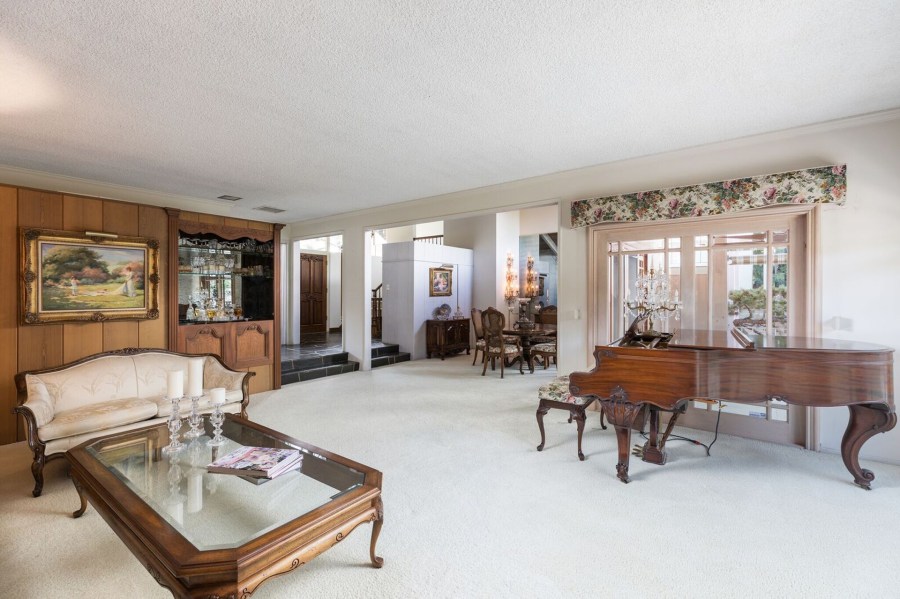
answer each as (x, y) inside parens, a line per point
(548, 314)
(479, 334)
(544, 346)
(495, 345)
(546, 351)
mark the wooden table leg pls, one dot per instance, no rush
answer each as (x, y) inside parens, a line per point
(526, 351)
(377, 562)
(80, 511)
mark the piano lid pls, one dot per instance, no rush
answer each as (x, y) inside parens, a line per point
(703, 339)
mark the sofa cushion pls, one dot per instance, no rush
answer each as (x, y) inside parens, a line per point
(152, 373)
(39, 401)
(98, 416)
(164, 405)
(99, 380)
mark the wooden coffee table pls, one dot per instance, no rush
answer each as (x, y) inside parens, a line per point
(219, 535)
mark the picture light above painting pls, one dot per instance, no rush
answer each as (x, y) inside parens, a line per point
(70, 277)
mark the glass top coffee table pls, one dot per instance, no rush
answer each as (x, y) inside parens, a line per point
(221, 535)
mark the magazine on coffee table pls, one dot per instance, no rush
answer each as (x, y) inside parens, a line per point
(257, 462)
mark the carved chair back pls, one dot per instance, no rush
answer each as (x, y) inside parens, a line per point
(476, 323)
(548, 315)
(493, 322)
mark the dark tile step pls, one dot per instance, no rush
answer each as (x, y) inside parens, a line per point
(387, 349)
(313, 362)
(317, 373)
(392, 359)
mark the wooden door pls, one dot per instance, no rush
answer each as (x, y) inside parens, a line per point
(313, 294)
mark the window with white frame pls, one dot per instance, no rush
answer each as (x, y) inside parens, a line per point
(748, 272)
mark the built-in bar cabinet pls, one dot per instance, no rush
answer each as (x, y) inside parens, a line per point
(224, 292)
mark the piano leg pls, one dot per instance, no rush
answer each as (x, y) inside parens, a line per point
(654, 450)
(622, 414)
(866, 420)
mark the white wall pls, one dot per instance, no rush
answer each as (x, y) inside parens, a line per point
(430, 229)
(535, 221)
(407, 304)
(334, 290)
(399, 234)
(859, 243)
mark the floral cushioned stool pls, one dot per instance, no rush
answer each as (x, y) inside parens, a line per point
(556, 394)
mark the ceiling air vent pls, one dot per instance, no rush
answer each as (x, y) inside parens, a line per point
(269, 209)
(230, 198)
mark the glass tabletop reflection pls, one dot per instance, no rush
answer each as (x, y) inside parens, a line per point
(219, 511)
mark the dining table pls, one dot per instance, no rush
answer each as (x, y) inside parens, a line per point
(527, 334)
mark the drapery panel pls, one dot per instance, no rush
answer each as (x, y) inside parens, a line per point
(825, 184)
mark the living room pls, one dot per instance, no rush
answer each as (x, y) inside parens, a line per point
(471, 508)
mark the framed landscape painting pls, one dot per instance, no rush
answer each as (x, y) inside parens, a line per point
(441, 281)
(70, 276)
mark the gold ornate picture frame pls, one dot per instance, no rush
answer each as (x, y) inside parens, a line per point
(441, 282)
(69, 277)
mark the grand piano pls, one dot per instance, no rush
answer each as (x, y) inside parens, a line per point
(641, 375)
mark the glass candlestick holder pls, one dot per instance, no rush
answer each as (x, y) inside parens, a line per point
(216, 419)
(195, 419)
(175, 445)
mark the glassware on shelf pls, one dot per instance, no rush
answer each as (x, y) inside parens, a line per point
(239, 312)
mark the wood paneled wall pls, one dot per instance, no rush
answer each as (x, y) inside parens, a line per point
(42, 346)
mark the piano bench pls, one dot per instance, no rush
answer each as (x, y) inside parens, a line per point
(556, 394)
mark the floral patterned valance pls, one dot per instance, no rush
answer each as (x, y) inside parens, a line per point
(826, 184)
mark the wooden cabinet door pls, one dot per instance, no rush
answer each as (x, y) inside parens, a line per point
(205, 339)
(313, 294)
(253, 344)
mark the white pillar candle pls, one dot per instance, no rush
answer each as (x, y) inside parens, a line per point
(175, 384)
(195, 377)
(217, 395)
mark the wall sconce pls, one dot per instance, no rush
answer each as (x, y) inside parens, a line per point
(531, 279)
(530, 290)
(511, 290)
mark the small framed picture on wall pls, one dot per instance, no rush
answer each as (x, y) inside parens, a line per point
(441, 281)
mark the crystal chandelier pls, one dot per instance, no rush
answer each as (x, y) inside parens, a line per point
(654, 299)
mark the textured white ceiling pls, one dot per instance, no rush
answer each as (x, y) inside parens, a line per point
(323, 107)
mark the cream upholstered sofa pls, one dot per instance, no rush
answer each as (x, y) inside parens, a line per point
(110, 393)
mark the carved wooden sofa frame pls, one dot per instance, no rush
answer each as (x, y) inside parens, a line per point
(39, 446)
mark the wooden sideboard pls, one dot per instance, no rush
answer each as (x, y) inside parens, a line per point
(446, 336)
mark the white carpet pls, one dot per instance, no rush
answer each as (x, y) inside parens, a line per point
(472, 510)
